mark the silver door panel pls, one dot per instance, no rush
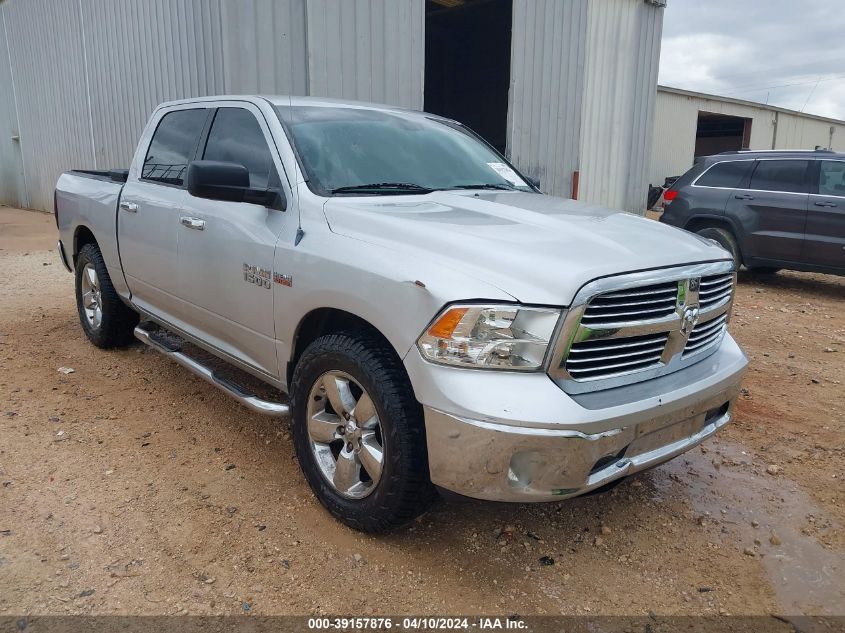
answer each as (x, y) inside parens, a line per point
(147, 236)
(225, 273)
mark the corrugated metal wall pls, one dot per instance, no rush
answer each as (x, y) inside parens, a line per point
(582, 96)
(138, 54)
(676, 118)
(12, 183)
(623, 54)
(264, 47)
(800, 132)
(86, 96)
(51, 93)
(547, 81)
(369, 50)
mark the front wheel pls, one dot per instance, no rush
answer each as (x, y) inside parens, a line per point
(359, 432)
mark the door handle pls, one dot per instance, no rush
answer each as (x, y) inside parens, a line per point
(192, 223)
(826, 203)
(743, 196)
(131, 207)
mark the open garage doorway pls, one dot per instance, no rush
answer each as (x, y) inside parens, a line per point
(721, 133)
(467, 63)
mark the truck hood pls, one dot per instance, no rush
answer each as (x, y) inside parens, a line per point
(539, 249)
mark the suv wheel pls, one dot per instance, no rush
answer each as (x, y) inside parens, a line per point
(726, 240)
(359, 432)
(105, 319)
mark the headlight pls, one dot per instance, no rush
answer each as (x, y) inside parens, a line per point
(490, 336)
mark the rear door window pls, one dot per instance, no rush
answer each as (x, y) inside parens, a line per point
(832, 178)
(173, 146)
(727, 175)
(780, 175)
(236, 137)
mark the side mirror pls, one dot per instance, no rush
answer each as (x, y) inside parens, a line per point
(216, 180)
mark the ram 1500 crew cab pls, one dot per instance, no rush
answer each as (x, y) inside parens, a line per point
(435, 320)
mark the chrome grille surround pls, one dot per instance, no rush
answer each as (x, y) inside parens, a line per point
(672, 317)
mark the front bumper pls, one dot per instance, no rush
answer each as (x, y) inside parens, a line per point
(505, 436)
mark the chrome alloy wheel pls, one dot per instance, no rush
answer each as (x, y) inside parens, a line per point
(345, 434)
(92, 298)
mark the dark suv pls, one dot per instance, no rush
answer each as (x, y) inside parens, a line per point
(770, 209)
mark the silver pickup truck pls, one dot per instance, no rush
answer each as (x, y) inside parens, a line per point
(435, 320)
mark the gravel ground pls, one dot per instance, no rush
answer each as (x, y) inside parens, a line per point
(131, 487)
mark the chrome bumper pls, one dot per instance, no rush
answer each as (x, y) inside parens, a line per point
(597, 438)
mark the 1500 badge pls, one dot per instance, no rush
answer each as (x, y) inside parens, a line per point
(256, 275)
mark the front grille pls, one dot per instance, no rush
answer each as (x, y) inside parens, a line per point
(705, 334)
(624, 329)
(715, 289)
(602, 358)
(633, 304)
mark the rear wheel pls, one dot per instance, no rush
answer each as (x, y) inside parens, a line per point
(726, 240)
(359, 432)
(105, 319)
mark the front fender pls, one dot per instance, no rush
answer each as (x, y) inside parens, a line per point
(397, 296)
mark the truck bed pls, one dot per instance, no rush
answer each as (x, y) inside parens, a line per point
(113, 175)
(89, 199)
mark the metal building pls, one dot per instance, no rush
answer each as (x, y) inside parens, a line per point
(565, 87)
(689, 124)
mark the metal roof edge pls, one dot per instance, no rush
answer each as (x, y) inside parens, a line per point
(753, 104)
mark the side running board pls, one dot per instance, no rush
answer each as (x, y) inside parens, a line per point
(250, 400)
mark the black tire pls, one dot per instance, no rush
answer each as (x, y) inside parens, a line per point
(764, 270)
(726, 240)
(118, 320)
(404, 490)
(654, 194)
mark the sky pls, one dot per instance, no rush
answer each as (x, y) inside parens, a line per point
(789, 53)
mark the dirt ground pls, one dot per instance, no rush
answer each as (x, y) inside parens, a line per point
(131, 487)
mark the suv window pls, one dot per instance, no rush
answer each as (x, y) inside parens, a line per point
(832, 178)
(729, 175)
(236, 137)
(173, 146)
(780, 175)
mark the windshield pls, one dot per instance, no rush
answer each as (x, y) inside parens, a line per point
(353, 150)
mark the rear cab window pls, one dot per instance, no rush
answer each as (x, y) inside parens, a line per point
(726, 175)
(780, 175)
(173, 145)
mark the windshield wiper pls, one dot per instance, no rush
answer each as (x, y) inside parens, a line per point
(500, 186)
(385, 187)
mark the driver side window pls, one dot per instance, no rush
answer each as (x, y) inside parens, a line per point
(236, 137)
